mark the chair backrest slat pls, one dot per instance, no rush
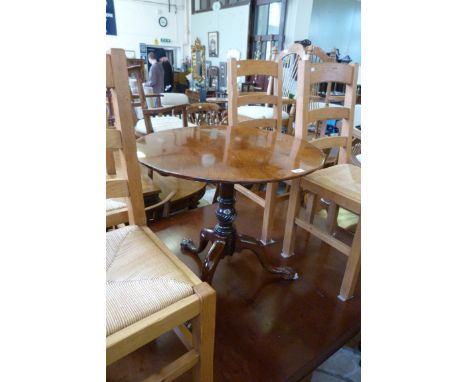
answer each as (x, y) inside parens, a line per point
(257, 67)
(311, 74)
(331, 72)
(121, 98)
(113, 139)
(254, 98)
(117, 188)
(325, 113)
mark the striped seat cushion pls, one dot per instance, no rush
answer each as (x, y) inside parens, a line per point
(141, 279)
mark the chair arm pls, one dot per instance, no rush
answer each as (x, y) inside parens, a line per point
(164, 203)
(165, 109)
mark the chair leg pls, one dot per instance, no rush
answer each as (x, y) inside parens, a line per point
(332, 216)
(293, 209)
(110, 162)
(269, 212)
(311, 206)
(353, 267)
(203, 333)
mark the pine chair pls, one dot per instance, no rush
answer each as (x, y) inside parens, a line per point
(289, 59)
(156, 118)
(117, 208)
(341, 184)
(266, 68)
(149, 290)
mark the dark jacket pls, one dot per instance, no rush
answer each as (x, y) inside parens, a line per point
(156, 78)
(168, 76)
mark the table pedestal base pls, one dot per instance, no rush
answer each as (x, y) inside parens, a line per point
(226, 241)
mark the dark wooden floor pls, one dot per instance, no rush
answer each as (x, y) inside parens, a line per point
(267, 329)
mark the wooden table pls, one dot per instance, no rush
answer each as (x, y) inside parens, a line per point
(228, 155)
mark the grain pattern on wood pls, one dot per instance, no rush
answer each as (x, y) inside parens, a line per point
(140, 333)
(116, 188)
(328, 113)
(113, 139)
(255, 99)
(331, 72)
(231, 154)
(176, 368)
(204, 333)
(121, 99)
(256, 67)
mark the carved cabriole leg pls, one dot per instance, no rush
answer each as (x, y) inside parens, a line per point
(215, 254)
(206, 235)
(247, 242)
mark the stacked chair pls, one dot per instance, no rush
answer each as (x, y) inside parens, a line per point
(149, 291)
(341, 183)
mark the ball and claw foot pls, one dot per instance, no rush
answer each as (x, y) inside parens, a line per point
(188, 245)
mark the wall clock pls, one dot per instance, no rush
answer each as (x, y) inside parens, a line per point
(163, 21)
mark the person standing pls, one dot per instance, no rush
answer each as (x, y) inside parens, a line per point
(168, 74)
(156, 74)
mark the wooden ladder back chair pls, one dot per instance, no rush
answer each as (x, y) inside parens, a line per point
(178, 111)
(235, 98)
(116, 209)
(321, 93)
(149, 290)
(341, 184)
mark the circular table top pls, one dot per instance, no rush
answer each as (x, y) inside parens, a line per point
(228, 154)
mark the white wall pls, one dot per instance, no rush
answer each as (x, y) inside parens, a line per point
(337, 24)
(137, 22)
(297, 21)
(232, 25)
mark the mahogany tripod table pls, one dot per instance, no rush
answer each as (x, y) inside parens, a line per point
(228, 155)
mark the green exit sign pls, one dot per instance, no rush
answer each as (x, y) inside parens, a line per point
(165, 40)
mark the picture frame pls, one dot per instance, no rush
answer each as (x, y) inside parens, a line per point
(222, 74)
(213, 44)
(207, 68)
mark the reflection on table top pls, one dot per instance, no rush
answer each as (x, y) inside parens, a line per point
(228, 154)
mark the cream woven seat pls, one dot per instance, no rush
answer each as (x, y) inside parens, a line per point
(141, 279)
(342, 179)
